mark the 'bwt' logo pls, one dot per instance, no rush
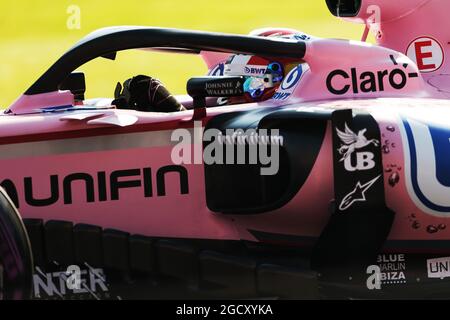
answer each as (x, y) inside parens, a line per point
(254, 70)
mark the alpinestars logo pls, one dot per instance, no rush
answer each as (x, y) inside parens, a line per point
(357, 195)
(351, 143)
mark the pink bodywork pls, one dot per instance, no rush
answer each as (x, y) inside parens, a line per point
(412, 24)
(35, 144)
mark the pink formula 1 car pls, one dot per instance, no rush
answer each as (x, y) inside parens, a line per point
(299, 167)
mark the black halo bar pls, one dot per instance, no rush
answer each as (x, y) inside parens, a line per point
(113, 39)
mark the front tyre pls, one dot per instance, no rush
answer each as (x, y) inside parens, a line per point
(16, 261)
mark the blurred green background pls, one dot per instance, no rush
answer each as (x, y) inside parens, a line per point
(34, 33)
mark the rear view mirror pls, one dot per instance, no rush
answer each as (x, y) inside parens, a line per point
(76, 84)
(344, 8)
(199, 88)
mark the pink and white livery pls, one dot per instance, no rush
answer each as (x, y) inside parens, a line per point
(362, 174)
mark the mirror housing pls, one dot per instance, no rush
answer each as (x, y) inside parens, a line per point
(75, 83)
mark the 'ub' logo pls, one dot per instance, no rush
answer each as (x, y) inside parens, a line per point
(428, 169)
(351, 143)
(359, 161)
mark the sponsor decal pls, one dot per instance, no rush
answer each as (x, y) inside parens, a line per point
(100, 184)
(281, 96)
(73, 283)
(389, 270)
(358, 194)
(224, 88)
(427, 53)
(340, 82)
(359, 202)
(427, 169)
(290, 82)
(255, 70)
(393, 268)
(292, 78)
(297, 36)
(438, 268)
(351, 143)
(301, 37)
(358, 170)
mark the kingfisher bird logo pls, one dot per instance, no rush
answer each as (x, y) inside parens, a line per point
(352, 142)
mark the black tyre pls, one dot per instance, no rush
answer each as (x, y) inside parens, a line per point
(16, 262)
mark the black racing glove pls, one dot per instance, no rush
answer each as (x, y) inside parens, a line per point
(143, 93)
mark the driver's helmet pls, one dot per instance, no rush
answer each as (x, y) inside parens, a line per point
(262, 77)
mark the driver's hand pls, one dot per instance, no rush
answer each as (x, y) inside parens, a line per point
(143, 93)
